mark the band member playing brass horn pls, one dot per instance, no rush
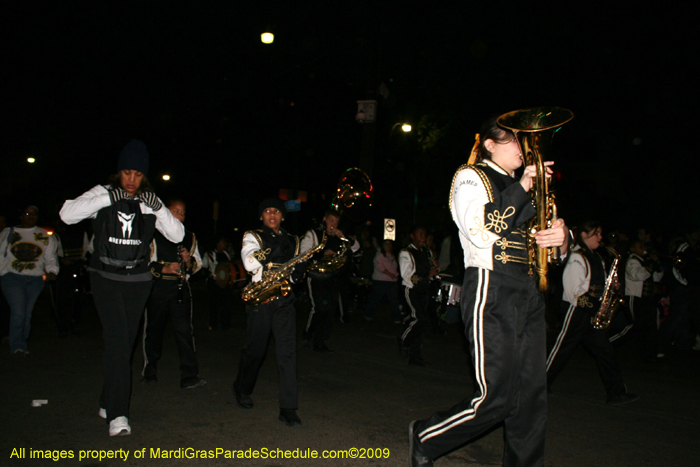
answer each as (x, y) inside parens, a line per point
(263, 251)
(502, 309)
(584, 282)
(323, 277)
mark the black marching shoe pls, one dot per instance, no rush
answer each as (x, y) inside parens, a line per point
(289, 417)
(416, 456)
(620, 399)
(243, 400)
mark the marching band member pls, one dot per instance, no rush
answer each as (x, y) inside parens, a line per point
(417, 269)
(584, 280)
(265, 249)
(502, 309)
(324, 287)
(171, 297)
(219, 299)
(643, 274)
(126, 214)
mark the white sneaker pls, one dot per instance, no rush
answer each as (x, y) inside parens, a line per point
(119, 427)
(102, 413)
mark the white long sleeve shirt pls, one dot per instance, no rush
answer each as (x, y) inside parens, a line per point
(87, 205)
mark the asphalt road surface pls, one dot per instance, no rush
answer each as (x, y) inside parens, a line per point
(355, 401)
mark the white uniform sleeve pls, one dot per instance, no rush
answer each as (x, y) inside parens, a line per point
(250, 261)
(196, 260)
(308, 242)
(469, 196)
(171, 228)
(408, 269)
(635, 271)
(355, 246)
(85, 206)
(576, 278)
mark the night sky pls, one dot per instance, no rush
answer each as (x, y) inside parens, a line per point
(234, 120)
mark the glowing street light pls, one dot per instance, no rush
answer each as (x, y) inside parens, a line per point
(166, 177)
(405, 127)
(267, 38)
(31, 160)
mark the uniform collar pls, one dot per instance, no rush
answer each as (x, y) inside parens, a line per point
(272, 232)
(496, 167)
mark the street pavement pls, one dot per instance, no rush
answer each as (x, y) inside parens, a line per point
(357, 400)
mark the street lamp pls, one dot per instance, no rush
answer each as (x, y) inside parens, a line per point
(405, 127)
(31, 160)
(267, 38)
(166, 177)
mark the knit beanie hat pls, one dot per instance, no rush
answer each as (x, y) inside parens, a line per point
(272, 203)
(134, 156)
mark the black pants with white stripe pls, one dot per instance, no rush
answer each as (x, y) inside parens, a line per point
(416, 302)
(325, 298)
(577, 329)
(504, 323)
(163, 304)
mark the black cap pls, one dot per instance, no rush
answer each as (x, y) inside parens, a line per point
(272, 203)
(134, 156)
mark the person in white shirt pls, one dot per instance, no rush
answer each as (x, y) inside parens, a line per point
(584, 279)
(27, 252)
(643, 274)
(125, 213)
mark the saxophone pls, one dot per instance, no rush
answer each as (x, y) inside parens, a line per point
(275, 282)
(609, 301)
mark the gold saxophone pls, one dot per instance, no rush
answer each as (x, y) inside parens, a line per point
(609, 301)
(534, 128)
(275, 282)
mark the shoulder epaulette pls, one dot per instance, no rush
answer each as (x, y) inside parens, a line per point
(255, 234)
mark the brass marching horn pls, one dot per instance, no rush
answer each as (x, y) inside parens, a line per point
(353, 197)
(534, 128)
